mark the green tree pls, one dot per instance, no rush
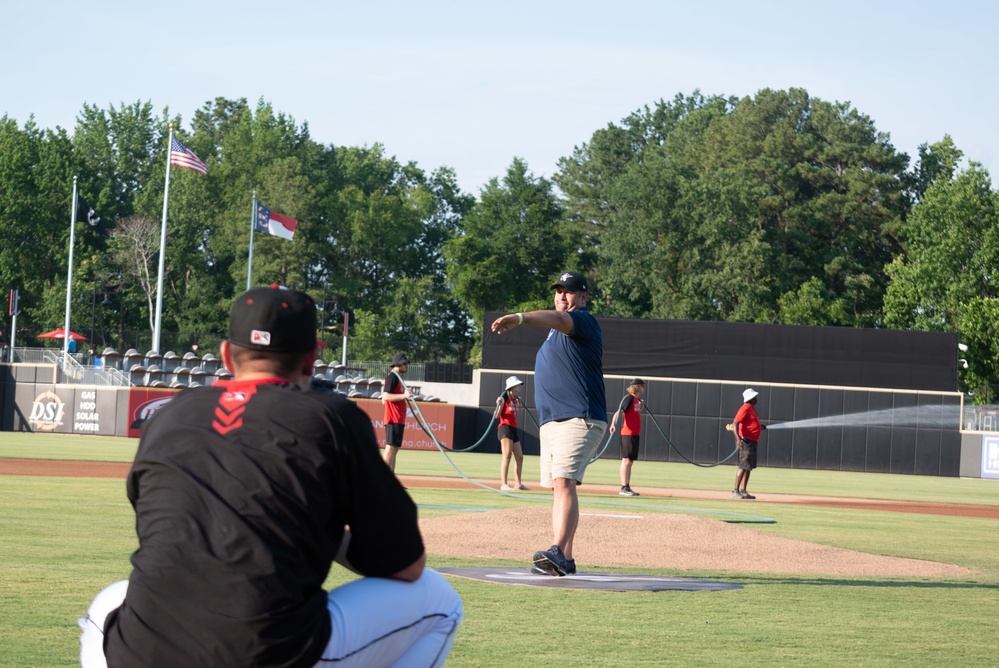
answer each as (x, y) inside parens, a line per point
(946, 280)
(36, 186)
(742, 203)
(512, 245)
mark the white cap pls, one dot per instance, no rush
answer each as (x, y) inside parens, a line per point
(512, 381)
(749, 394)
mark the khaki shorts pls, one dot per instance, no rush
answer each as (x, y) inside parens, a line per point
(567, 447)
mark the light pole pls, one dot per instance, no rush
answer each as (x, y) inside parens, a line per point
(93, 312)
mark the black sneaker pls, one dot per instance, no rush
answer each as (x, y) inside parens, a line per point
(549, 562)
(628, 491)
(570, 566)
(747, 495)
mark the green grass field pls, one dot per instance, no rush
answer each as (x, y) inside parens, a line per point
(63, 539)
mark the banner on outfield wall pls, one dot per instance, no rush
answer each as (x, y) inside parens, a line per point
(69, 409)
(64, 409)
(440, 418)
(142, 404)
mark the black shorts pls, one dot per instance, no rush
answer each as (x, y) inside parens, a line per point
(747, 455)
(393, 434)
(506, 431)
(629, 446)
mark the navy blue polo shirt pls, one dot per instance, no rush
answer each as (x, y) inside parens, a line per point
(568, 372)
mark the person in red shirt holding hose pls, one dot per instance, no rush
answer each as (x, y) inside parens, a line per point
(631, 409)
(507, 433)
(394, 396)
(747, 428)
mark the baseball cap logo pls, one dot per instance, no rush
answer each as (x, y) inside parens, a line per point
(565, 277)
(260, 338)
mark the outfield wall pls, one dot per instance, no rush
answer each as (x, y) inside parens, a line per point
(33, 402)
(692, 414)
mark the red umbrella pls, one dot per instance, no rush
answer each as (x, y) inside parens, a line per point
(60, 333)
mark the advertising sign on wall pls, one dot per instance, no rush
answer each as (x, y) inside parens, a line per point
(141, 406)
(440, 418)
(990, 457)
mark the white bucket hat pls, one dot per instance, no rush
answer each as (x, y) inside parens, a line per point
(749, 394)
(512, 381)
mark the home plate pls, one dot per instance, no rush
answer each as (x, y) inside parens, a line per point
(601, 581)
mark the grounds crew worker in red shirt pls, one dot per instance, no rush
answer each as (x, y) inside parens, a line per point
(747, 428)
(244, 494)
(394, 396)
(631, 430)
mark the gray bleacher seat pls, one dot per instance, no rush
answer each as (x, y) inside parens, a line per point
(181, 375)
(152, 358)
(137, 375)
(210, 363)
(199, 377)
(171, 361)
(223, 373)
(153, 374)
(191, 360)
(343, 384)
(359, 385)
(131, 359)
(112, 359)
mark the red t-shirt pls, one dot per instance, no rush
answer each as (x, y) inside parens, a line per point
(395, 411)
(749, 423)
(508, 414)
(632, 414)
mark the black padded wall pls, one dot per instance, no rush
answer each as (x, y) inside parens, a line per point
(755, 353)
(872, 430)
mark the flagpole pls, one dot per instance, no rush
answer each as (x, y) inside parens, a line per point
(163, 230)
(69, 275)
(253, 224)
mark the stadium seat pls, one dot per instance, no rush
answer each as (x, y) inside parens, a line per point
(171, 361)
(137, 375)
(210, 363)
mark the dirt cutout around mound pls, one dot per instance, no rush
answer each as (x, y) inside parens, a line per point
(668, 542)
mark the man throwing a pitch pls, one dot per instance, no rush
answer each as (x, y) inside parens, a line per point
(244, 494)
(572, 408)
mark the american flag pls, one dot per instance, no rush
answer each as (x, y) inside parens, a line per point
(182, 156)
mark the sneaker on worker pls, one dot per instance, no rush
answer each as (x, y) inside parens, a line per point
(747, 495)
(628, 491)
(570, 566)
(736, 494)
(550, 562)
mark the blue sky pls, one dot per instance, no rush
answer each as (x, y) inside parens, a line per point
(471, 85)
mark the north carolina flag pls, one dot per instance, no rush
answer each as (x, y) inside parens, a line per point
(275, 223)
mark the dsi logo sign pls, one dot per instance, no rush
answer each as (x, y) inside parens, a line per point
(990, 457)
(47, 412)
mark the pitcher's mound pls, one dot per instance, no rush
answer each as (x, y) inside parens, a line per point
(602, 581)
(659, 541)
